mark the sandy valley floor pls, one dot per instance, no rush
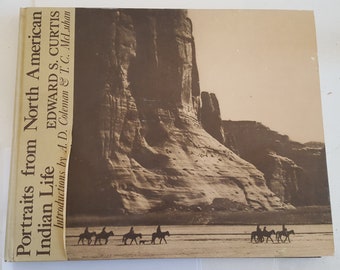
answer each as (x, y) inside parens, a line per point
(204, 241)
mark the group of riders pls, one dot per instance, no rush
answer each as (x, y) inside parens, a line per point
(260, 236)
(257, 236)
(103, 235)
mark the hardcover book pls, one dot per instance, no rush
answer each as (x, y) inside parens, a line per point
(167, 133)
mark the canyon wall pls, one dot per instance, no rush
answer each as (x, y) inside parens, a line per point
(296, 172)
(138, 139)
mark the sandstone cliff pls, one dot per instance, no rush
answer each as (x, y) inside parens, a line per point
(211, 116)
(138, 141)
(296, 172)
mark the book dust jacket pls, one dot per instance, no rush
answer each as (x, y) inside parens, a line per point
(167, 133)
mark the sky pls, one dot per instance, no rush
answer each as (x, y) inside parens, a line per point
(262, 66)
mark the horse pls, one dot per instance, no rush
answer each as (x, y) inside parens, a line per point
(103, 235)
(132, 236)
(289, 233)
(279, 235)
(160, 235)
(256, 236)
(268, 235)
(87, 236)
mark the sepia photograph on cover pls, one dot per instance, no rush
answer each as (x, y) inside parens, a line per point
(196, 133)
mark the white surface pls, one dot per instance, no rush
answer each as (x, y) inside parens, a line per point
(328, 38)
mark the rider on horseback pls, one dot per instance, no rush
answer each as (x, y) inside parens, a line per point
(158, 229)
(264, 232)
(258, 229)
(259, 233)
(86, 235)
(131, 235)
(131, 232)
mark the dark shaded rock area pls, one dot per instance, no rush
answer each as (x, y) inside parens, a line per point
(138, 142)
(296, 172)
(211, 116)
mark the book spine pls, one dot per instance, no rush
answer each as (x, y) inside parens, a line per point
(9, 244)
(42, 135)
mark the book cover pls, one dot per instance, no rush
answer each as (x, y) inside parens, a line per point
(145, 133)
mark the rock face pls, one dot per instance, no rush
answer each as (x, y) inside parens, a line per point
(296, 172)
(282, 175)
(211, 116)
(138, 143)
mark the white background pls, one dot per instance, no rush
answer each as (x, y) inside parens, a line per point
(327, 17)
